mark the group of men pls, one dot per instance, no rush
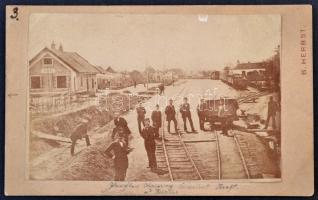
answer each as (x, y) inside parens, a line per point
(150, 133)
(119, 149)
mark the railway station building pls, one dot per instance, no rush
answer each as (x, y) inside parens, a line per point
(54, 72)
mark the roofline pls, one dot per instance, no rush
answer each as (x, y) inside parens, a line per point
(46, 48)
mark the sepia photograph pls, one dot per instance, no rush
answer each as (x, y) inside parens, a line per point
(159, 100)
(154, 97)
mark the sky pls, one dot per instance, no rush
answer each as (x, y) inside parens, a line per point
(133, 41)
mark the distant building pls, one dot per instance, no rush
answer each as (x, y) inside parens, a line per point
(55, 71)
(248, 67)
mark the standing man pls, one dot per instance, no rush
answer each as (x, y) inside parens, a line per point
(186, 114)
(156, 120)
(171, 115)
(148, 133)
(120, 151)
(226, 123)
(161, 89)
(79, 133)
(141, 112)
(271, 112)
(200, 110)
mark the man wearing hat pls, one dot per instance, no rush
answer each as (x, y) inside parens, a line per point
(226, 124)
(118, 151)
(79, 132)
(156, 120)
(171, 115)
(121, 122)
(141, 112)
(148, 133)
(200, 110)
(186, 114)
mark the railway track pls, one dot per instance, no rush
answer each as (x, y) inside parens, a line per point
(204, 160)
(251, 96)
(174, 156)
(184, 161)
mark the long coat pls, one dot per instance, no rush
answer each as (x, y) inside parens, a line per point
(141, 112)
(148, 133)
(185, 110)
(170, 112)
(156, 118)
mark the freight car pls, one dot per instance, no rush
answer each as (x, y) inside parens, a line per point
(211, 113)
(237, 81)
(215, 75)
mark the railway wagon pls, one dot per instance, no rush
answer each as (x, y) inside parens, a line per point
(237, 81)
(211, 113)
(215, 75)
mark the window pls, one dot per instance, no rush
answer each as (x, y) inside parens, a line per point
(35, 82)
(61, 81)
(81, 80)
(47, 61)
(92, 83)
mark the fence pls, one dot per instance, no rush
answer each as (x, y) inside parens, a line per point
(45, 105)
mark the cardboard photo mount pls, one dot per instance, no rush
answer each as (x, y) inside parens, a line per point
(296, 108)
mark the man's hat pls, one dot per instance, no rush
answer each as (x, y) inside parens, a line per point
(185, 98)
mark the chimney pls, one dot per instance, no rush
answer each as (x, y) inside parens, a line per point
(61, 48)
(53, 45)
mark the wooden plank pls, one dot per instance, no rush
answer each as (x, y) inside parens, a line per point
(51, 137)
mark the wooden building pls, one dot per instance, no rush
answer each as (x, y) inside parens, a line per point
(54, 71)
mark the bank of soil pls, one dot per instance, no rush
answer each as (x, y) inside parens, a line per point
(52, 160)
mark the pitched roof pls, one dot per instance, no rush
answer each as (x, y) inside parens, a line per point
(110, 69)
(101, 69)
(258, 65)
(73, 60)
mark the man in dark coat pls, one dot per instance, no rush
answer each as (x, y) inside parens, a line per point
(148, 133)
(119, 131)
(79, 133)
(200, 110)
(120, 151)
(226, 121)
(119, 121)
(161, 88)
(272, 109)
(171, 115)
(186, 114)
(141, 112)
(156, 120)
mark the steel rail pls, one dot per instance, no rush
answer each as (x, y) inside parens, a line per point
(242, 157)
